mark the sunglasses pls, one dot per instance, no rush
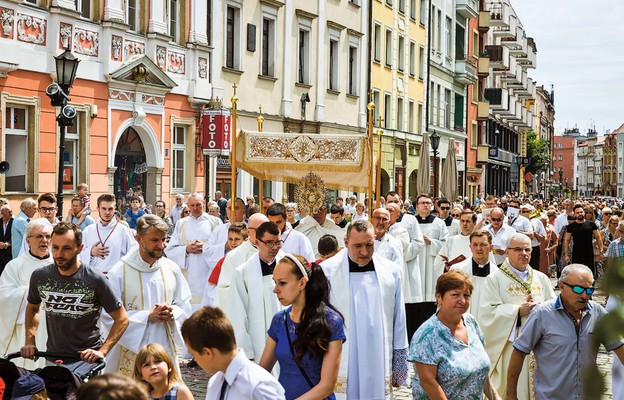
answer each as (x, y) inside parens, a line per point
(455, 215)
(578, 289)
(496, 219)
(445, 208)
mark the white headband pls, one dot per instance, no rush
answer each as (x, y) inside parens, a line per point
(298, 264)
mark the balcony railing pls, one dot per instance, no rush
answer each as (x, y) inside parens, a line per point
(467, 8)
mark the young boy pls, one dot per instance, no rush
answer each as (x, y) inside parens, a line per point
(82, 193)
(209, 337)
(135, 211)
(237, 234)
(327, 247)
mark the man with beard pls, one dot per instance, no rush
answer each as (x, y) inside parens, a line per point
(386, 245)
(294, 242)
(155, 294)
(14, 283)
(582, 232)
(317, 226)
(106, 241)
(73, 295)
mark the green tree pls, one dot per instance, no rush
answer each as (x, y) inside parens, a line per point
(538, 151)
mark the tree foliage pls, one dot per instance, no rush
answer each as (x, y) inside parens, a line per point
(538, 151)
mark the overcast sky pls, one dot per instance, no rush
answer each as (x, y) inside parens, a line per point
(580, 50)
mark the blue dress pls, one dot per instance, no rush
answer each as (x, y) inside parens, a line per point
(291, 377)
(462, 368)
(172, 394)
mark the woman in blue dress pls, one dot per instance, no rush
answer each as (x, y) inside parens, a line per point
(447, 349)
(305, 338)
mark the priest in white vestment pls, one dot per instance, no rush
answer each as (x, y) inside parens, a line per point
(295, 242)
(237, 257)
(155, 294)
(366, 289)
(508, 297)
(14, 283)
(186, 246)
(106, 241)
(478, 266)
(317, 225)
(386, 245)
(217, 245)
(501, 232)
(457, 245)
(252, 303)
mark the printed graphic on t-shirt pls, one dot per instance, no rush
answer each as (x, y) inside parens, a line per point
(74, 300)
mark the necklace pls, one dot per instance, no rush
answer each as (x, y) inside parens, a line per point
(103, 242)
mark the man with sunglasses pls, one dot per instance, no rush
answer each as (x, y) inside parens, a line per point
(444, 213)
(252, 304)
(558, 332)
(500, 234)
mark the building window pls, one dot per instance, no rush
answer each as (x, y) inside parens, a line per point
(209, 21)
(401, 57)
(475, 44)
(352, 79)
(71, 155)
(303, 51)
(84, 8)
(439, 26)
(16, 148)
(267, 57)
(459, 112)
(447, 31)
(132, 14)
(419, 118)
(423, 12)
(388, 48)
(410, 117)
(474, 135)
(377, 48)
(178, 159)
(399, 119)
(387, 110)
(402, 6)
(232, 38)
(389, 3)
(173, 15)
(376, 112)
(413, 10)
(333, 63)
(421, 63)
(412, 59)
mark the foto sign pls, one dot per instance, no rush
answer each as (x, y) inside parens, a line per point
(216, 134)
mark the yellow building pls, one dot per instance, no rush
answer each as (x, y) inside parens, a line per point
(398, 68)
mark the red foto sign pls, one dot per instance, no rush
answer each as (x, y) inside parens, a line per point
(216, 132)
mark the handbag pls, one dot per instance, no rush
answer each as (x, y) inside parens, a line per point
(292, 351)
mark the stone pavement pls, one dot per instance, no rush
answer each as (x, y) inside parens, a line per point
(196, 379)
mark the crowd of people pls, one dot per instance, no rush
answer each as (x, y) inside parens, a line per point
(299, 302)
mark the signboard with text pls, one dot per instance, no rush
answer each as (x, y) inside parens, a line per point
(216, 133)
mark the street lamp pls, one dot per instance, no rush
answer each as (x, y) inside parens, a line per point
(58, 92)
(435, 142)
(561, 180)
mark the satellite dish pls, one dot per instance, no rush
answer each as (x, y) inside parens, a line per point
(4, 167)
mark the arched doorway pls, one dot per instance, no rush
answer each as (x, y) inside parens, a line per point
(131, 172)
(385, 182)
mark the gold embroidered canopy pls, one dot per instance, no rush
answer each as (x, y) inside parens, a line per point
(342, 161)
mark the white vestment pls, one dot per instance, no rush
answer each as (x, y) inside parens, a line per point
(478, 282)
(296, 242)
(454, 228)
(141, 286)
(14, 284)
(117, 237)
(452, 248)
(502, 295)
(195, 267)
(437, 232)
(411, 271)
(252, 305)
(233, 259)
(499, 240)
(313, 231)
(391, 248)
(374, 318)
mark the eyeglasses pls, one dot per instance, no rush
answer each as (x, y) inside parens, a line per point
(445, 208)
(607, 213)
(520, 249)
(41, 237)
(578, 289)
(270, 243)
(382, 219)
(47, 209)
(455, 216)
(496, 219)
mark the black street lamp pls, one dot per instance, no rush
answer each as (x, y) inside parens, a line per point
(58, 92)
(435, 143)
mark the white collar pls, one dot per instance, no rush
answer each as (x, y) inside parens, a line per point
(524, 275)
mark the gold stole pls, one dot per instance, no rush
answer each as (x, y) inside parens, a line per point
(134, 301)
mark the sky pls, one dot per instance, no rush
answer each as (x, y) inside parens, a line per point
(580, 50)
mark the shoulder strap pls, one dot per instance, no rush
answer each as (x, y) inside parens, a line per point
(292, 351)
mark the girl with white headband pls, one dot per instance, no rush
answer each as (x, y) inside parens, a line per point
(306, 338)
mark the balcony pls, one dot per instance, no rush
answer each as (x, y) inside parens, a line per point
(514, 38)
(519, 79)
(499, 57)
(483, 154)
(517, 50)
(511, 74)
(465, 72)
(529, 58)
(483, 111)
(498, 98)
(484, 21)
(498, 15)
(467, 8)
(484, 67)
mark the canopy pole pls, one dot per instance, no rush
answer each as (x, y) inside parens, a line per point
(371, 109)
(378, 181)
(233, 146)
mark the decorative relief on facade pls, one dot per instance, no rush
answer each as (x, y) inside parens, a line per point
(175, 62)
(7, 17)
(116, 44)
(152, 99)
(65, 36)
(86, 42)
(121, 95)
(202, 68)
(31, 29)
(161, 57)
(131, 48)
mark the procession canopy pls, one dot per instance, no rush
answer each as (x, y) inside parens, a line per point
(342, 161)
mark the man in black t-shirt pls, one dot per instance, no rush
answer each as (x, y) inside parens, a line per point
(72, 295)
(582, 232)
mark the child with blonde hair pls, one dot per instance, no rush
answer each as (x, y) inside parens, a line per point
(154, 368)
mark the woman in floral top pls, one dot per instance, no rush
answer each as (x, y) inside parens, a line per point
(447, 349)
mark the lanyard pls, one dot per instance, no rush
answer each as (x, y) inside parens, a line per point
(103, 242)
